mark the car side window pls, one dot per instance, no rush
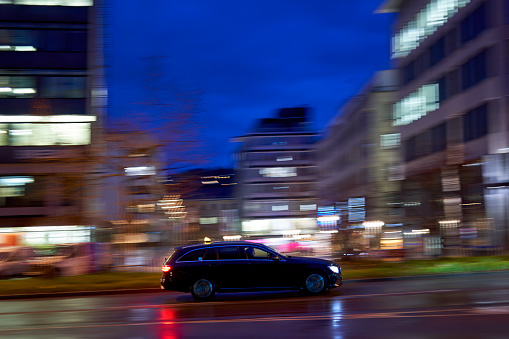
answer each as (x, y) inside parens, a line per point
(257, 253)
(228, 253)
(211, 254)
(195, 255)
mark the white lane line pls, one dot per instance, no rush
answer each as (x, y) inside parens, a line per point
(394, 294)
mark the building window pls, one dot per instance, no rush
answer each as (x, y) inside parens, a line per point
(452, 40)
(4, 134)
(410, 149)
(17, 87)
(474, 24)
(416, 105)
(437, 52)
(442, 89)
(438, 138)
(453, 82)
(80, 3)
(34, 134)
(278, 172)
(63, 87)
(409, 72)
(388, 141)
(32, 40)
(475, 70)
(475, 123)
(423, 24)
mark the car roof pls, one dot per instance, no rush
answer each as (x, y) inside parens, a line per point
(218, 243)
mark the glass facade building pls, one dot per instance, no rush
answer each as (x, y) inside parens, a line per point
(52, 98)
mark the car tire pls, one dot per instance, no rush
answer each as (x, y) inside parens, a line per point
(315, 283)
(203, 289)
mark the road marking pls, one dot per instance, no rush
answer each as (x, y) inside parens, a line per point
(458, 312)
(244, 302)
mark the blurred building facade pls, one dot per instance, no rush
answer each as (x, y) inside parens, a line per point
(276, 174)
(131, 184)
(359, 183)
(52, 96)
(210, 206)
(452, 113)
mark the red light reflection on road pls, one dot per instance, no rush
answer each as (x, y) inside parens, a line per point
(167, 316)
(168, 328)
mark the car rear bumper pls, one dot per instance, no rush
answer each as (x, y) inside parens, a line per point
(169, 283)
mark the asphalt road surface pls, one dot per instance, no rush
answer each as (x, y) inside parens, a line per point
(464, 306)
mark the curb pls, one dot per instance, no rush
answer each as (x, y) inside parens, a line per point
(79, 293)
(424, 276)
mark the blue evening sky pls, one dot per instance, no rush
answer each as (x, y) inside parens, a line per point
(245, 58)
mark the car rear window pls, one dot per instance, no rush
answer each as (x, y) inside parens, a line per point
(172, 256)
(229, 252)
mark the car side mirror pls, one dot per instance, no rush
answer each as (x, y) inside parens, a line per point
(274, 257)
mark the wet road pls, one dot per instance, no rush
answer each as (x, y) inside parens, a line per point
(469, 306)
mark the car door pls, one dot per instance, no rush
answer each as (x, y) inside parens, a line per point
(195, 264)
(266, 270)
(230, 268)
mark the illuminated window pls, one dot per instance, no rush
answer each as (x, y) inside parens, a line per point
(423, 24)
(141, 170)
(356, 209)
(28, 134)
(278, 172)
(209, 221)
(4, 135)
(390, 140)
(14, 186)
(49, 2)
(17, 86)
(416, 105)
(278, 208)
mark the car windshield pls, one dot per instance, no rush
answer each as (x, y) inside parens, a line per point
(276, 251)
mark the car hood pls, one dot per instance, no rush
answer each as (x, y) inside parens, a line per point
(307, 260)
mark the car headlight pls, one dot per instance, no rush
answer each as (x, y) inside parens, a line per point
(334, 269)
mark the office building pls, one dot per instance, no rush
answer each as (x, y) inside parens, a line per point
(52, 98)
(276, 174)
(453, 116)
(358, 185)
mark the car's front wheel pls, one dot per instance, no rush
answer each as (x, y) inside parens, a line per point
(315, 283)
(203, 289)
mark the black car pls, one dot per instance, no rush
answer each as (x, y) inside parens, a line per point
(244, 266)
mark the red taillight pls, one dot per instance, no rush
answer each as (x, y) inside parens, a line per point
(166, 268)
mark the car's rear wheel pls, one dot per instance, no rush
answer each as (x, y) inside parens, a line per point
(203, 289)
(315, 283)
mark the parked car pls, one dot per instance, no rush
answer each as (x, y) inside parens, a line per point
(14, 260)
(205, 269)
(73, 259)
